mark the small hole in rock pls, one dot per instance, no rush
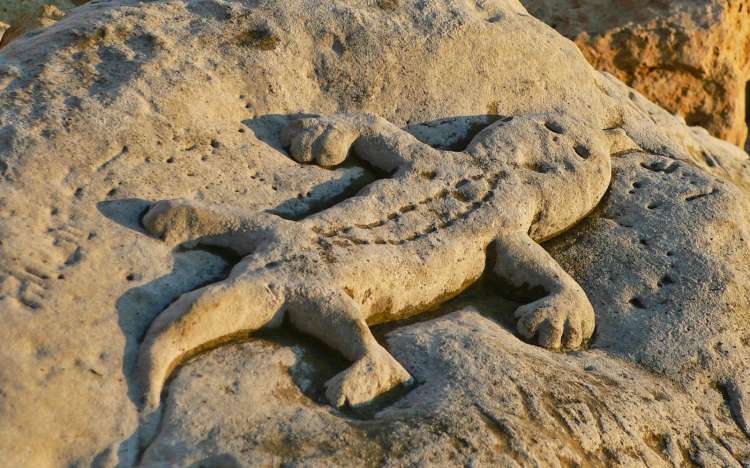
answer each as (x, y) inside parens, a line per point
(637, 302)
(540, 167)
(554, 127)
(582, 151)
(260, 39)
(666, 279)
(337, 47)
(131, 277)
(653, 205)
(170, 160)
(388, 5)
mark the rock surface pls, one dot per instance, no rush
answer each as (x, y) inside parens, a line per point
(659, 230)
(692, 58)
(484, 398)
(123, 103)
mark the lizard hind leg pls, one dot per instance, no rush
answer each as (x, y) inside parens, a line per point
(334, 318)
(201, 320)
(564, 317)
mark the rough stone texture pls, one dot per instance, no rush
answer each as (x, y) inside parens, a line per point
(22, 16)
(690, 57)
(123, 103)
(664, 220)
(485, 399)
(403, 244)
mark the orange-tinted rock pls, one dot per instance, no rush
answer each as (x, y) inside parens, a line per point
(692, 58)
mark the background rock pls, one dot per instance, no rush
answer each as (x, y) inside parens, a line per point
(22, 16)
(692, 58)
(125, 102)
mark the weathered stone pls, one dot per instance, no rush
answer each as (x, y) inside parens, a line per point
(484, 398)
(124, 103)
(692, 58)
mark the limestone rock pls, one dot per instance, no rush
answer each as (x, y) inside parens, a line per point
(654, 256)
(123, 103)
(692, 58)
(484, 398)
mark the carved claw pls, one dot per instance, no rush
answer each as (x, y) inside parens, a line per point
(324, 141)
(366, 379)
(560, 321)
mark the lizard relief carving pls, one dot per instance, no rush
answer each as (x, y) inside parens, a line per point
(398, 247)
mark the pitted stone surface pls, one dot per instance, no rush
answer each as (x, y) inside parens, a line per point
(400, 246)
(485, 398)
(124, 103)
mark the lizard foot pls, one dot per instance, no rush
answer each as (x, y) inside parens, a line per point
(182, 221)
(170, 219)
(324, 141)
(563, 320)
(369, 377)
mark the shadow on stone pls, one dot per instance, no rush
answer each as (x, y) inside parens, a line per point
(138, 306)
(126, 212)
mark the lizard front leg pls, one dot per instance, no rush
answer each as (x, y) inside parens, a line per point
(327, 140)
(191, 222)
(564, 317)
